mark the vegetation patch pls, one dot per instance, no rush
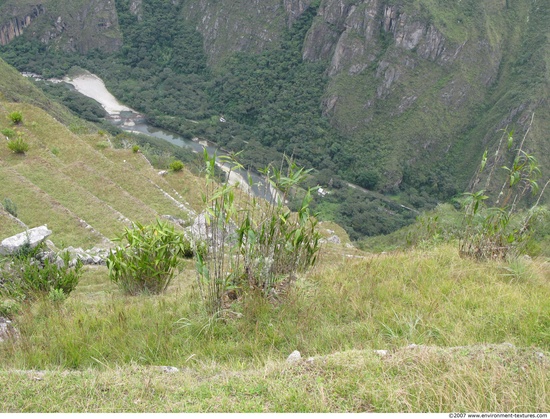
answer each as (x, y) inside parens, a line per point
(149, 258)
(18, 145)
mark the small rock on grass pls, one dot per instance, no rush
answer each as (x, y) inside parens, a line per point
(169, 370)
(294, 357)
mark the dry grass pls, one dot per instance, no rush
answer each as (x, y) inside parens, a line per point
(471, 379)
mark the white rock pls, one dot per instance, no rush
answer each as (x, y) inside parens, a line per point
(169, 370)
(33, 236)
(381, 352)
(294, 357)
(7, 330)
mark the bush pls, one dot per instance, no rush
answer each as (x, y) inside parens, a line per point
(26, 276)
(8, 132)
(57, 295)
(9, 308)
(504, 229)
(10, 206)
(148, 262)
(18, 146)
(102, 145)
(135, 148)
(16, 117)
(176, 166)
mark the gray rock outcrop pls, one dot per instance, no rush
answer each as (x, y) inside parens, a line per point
(33, 237)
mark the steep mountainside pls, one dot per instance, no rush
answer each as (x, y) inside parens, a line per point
(400, 97)
(74, 26)
(72, 179)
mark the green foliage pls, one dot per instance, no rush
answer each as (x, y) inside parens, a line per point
(10, 206)
(82, 105)
(257, 245)
(176, 166)
(502, 230)
(18, 146)
(9, 308)
(149, 260)
(8, 132)
(135, 149)
(27, 277)
(57, 295)
(16, 117)
(102, 145)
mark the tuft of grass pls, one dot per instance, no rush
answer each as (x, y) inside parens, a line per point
(16, 117)
(18, 145)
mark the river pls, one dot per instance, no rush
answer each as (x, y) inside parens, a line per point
(128, 119)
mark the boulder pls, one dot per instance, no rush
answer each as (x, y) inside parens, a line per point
(34, 236)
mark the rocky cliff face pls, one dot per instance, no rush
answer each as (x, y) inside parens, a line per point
(13, 27)
(407, 73)
(73, 26)
(241, 25)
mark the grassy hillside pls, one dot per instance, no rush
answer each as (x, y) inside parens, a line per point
(399, 97)
(481, 331)
(72, 179)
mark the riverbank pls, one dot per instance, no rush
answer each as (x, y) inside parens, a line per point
(93, 87)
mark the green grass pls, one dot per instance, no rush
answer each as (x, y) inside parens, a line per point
(80, 182)
(478, 328)
(409, 380)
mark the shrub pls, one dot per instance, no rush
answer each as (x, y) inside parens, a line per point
(57, 295)
(504, 229)
(42, 278)
(10, 206)
(148, 262)
(26, 276)
(102, 145)
(135, 148)
(55, 151)
(18, 146)
(176, 166)
(16, 117)
(8, 132)
(9, 308)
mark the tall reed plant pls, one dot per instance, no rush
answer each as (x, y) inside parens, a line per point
(253, 244)
(502, 230)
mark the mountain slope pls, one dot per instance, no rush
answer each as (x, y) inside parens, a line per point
(394, 96)
(74, 181)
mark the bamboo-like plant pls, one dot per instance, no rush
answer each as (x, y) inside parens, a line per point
(149, 260)
(255, 244)
(501, 230)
